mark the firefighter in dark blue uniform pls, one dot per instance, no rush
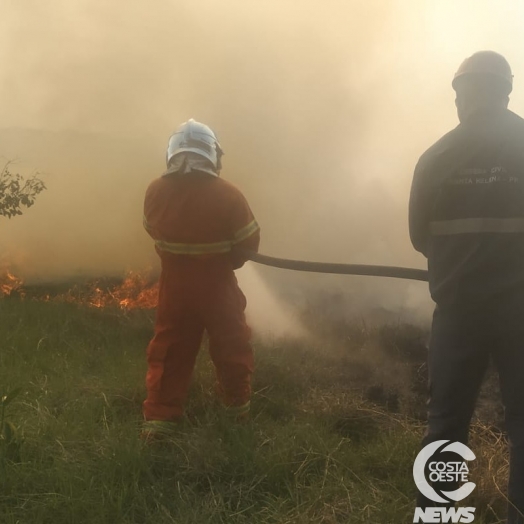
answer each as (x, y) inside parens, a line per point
(466, 215)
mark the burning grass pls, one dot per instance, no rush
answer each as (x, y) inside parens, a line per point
(10, 283)
(137, 290)
(317, 450)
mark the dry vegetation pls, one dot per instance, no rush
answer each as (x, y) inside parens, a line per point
(335, 427)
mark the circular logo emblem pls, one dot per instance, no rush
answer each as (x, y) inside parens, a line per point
(442, 471)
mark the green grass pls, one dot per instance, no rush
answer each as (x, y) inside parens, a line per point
(316, 450)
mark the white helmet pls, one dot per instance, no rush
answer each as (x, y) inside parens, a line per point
(198, 138)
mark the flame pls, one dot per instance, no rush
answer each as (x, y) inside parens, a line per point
(137, 291)
(9, 283)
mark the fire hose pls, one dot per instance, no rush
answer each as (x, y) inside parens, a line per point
(339, 269)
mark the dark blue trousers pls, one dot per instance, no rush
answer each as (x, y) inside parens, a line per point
(463, 340)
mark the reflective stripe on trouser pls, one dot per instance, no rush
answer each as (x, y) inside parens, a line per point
(192, 300)
(159, 427)
(238, 412)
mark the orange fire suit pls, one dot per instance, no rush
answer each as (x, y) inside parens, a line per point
(196, 220)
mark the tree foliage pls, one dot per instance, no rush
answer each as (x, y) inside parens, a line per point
(17, 192)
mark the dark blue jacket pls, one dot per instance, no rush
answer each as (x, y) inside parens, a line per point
(466, 210)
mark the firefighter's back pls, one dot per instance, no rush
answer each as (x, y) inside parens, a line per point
(192, 219)
(476, 246)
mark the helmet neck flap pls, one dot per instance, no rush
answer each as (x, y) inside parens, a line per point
(200, 146)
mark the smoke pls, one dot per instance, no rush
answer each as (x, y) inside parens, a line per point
(271, 316)
(322, 109)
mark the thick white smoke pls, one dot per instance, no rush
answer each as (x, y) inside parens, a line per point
(322, 109)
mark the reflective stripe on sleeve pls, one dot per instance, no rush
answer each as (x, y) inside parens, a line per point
(245, 232)
(477, 225)
(146, 225)
(194, 249)
(208, 248)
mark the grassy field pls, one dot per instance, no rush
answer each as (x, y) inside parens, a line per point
(334, 430)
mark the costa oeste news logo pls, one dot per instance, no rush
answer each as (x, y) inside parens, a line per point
(427, 461)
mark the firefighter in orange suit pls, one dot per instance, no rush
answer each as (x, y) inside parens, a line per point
(197, 220)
